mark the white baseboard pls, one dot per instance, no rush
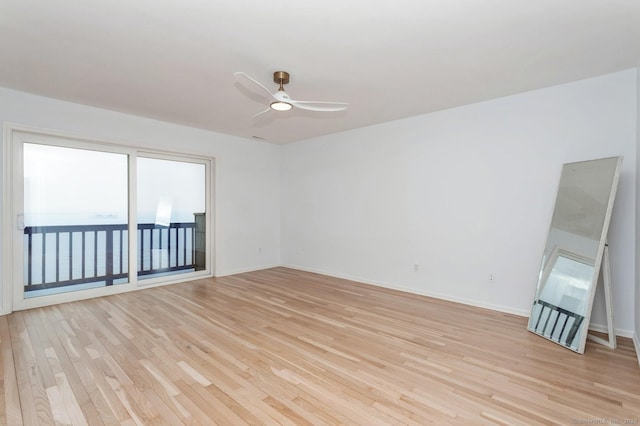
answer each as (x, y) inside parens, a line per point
(464, 301)
(245, 270)
(619, 331)
(636, 343)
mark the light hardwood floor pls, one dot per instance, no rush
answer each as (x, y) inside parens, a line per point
(286, 347)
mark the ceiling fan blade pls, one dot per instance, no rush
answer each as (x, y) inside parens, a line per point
(319, 106)
(260, 114)
(240, 76)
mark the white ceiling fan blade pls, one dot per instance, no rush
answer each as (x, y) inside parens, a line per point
(260, 114)
(319, 106)
(240, 76)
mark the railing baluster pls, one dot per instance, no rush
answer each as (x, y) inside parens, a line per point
(151, 249)
(168, 247)
(44, 246)
(57, 256)
(30, 265)
(177, 247)
(95, 253)
(184, 246)
(141, 264)
(83, 253)
(121, 251)
(109, 257)
(70, 255)
(193, 246)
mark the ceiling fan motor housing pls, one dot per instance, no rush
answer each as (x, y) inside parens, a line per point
(281, 77)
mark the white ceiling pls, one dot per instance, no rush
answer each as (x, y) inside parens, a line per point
(174, 60)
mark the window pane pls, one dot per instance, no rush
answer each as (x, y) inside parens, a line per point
(75, 216)
(171, 217)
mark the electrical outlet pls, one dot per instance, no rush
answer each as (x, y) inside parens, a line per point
(491, 277)
(416, 267)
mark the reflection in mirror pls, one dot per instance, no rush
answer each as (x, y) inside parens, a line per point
(573, 252)
(562, 304)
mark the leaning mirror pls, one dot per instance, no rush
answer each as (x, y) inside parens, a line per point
(574, 251)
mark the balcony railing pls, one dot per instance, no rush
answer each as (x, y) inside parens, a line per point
(562, 319)
(59, 256)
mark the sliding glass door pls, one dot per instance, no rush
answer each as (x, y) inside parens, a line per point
(74, 220)
(94, 219)
(171, 217)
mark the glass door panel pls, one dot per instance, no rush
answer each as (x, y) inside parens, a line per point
(75, 219)
(171, 217)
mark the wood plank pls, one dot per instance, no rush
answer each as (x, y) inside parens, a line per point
(10, 413)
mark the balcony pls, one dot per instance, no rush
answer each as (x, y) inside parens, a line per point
(73, 257)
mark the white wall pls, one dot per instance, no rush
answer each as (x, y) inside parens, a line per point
(462, 193)
(248, 172)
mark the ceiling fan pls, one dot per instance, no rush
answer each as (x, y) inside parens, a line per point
(280, 100)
